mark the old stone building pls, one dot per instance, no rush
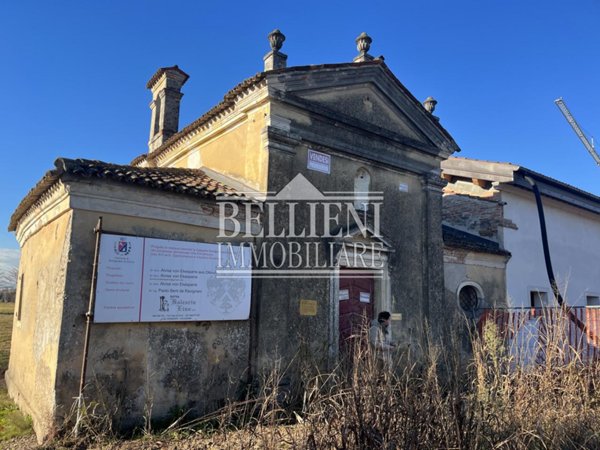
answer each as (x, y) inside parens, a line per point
(307, 148)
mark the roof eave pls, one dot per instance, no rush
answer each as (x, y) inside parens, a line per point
(81, 169)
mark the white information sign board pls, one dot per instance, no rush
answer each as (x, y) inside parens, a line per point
(119, 279)
(365, 297)
(158, 280)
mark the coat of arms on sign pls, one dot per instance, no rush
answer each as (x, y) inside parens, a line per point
(123, 247)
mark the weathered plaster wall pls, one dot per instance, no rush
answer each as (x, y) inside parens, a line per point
(31, 375)
(148, 368)
(486, 270)
(410, 221)
(233, 146)
(134, 370)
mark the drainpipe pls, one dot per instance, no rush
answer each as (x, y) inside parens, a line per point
(540, 207)
(549, 271)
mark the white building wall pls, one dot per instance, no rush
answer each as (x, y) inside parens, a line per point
(574, 241)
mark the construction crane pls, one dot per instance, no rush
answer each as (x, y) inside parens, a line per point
(588, 145)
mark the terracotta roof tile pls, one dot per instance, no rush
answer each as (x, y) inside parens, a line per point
(182, 181)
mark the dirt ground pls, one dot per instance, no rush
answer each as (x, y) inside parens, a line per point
(273, 438)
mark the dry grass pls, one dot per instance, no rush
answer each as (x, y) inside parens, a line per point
(6, 320)
(12, 422)
(431, 401)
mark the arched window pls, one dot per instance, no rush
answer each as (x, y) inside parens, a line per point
(362, 183)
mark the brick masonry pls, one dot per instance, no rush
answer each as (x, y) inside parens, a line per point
(482, 217)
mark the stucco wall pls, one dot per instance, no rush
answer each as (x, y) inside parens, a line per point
(148, 368)
(486, 271)
(31, 374)
(233, 147)
(574, 241)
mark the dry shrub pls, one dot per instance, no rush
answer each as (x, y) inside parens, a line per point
(432, 399)
(429, 399)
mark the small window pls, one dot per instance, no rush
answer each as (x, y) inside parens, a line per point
(20, 297)
(362, 184)
(592, 300)
(468, 299)
(538, 299)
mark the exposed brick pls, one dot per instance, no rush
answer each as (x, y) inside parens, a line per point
(478, 216)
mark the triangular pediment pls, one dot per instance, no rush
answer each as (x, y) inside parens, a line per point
(368, 104)
(366, 95)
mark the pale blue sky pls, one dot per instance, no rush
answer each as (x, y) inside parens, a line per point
(74, 73)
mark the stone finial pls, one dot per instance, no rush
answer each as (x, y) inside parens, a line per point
(429, 104)
(363, 44)
(276, 39)
(275, 59)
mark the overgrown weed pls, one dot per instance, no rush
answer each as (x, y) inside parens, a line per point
(433, 397)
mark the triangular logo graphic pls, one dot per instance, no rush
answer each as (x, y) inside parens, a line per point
(299, 189)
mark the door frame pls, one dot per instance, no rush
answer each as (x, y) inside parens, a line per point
(382, 295)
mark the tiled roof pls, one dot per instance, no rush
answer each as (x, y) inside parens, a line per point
(229, 100)
(454, 237)
(182, 181)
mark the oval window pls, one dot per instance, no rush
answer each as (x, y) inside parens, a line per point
(468, 299)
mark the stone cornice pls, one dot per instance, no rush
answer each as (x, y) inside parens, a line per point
(51, 205)
(113, 198)
(376, 72)
(453, 255)
(339, 119)
(356, 145)
(434, 182)
(295, 77)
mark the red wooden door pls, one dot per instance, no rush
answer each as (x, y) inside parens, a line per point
(356, 297)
